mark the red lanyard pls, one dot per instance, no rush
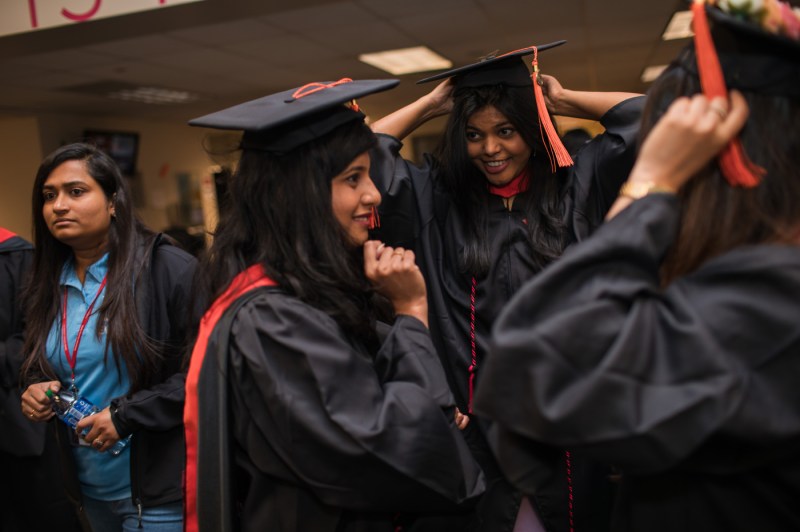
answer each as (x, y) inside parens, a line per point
(72, 359)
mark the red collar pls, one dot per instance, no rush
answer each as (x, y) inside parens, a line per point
(513, 187)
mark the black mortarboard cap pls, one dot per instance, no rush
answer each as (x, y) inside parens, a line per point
(752, 59)
(507, 69)
(739, 53)
(285, 120)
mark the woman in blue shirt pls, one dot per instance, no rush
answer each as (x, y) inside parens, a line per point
(107, 316)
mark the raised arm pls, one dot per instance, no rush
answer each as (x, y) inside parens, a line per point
(402, 122)
(691, 133)
(360, 433)
(579, 104)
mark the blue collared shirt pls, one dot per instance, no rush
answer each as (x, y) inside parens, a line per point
(103, 476)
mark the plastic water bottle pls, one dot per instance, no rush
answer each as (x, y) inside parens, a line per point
(70, 409)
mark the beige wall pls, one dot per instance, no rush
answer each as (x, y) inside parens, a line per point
(165, 150)
(20, 155)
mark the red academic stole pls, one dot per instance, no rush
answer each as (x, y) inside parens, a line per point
(246, 281)
(5, 234)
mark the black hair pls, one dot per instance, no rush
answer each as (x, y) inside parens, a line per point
(717, 217)
(126, 235)
(468, 186)
(281, 217)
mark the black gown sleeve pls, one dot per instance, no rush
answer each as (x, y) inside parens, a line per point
(19, 436)
(15, 260)
(603, 165)
(407, 192)
(315, 411)
(593, 354)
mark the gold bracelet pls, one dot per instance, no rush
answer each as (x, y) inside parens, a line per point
(635, 189)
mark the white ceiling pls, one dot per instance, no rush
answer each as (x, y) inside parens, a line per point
(229, 51)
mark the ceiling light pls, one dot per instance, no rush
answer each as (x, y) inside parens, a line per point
(406, 60)
(153, 95)
(652, 72)
(679, 27)
(123, 90)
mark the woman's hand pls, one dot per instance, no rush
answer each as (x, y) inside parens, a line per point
(440, 100)
(396, 276)
(35, 404)
(689, 135)
(579, 104)
(402, 122)
(462, 420)
(553, 92)
(102, 432)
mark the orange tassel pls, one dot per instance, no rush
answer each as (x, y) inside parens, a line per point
(555, 149)
(374, 219)
(737, 168)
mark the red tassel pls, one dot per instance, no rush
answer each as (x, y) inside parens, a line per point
(556, 151)
(737, 168)
(374, 219)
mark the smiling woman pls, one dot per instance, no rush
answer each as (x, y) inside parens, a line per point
(496, 147)
(299, 414)
(354, 197)
(497, 203)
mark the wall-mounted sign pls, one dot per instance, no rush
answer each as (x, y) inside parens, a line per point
(19, 16)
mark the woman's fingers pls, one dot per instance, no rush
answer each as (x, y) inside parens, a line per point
(102, 434)
(462, 420)
(34, 402)
(737, 115)
(372, 251)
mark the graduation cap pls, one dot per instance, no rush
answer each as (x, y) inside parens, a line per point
(752, 58)
(509, 69)
(281, 122)
(740, 51)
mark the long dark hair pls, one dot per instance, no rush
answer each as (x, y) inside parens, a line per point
(468, 186)
(717, 217)
(43, 296)
(281, 216)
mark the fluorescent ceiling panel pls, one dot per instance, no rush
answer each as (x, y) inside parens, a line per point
(679, 27)
(406, 60)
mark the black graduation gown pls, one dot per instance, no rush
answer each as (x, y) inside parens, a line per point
(28, 455)
(415, 212)
(19, 437)
(691, 390)
(325, 435)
